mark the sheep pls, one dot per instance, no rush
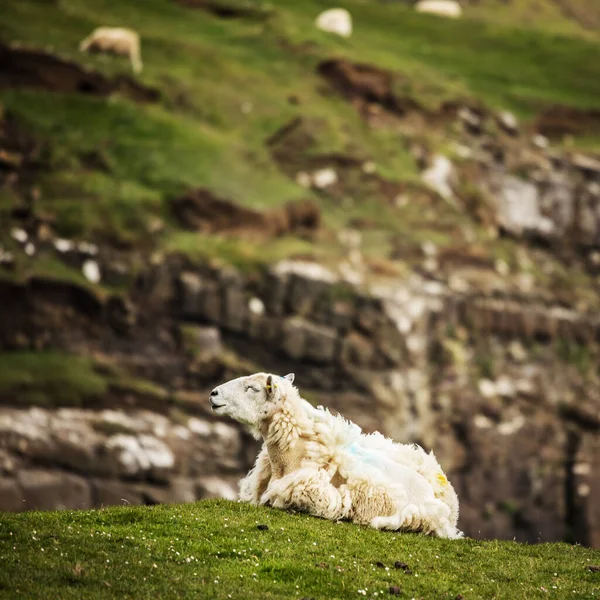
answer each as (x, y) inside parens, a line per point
(335, 20)
(322, 464)
(118, 40)
(442, 8)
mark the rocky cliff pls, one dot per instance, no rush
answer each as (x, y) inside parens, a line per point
(488, 383)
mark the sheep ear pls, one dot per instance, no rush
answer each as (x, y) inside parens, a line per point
(270, 386)
(290, 377)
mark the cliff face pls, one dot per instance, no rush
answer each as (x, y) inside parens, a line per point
(494, 386)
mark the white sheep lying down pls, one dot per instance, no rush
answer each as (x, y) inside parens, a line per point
(322, 464)
(117, 40)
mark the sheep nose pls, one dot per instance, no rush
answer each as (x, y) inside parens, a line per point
(214, 393)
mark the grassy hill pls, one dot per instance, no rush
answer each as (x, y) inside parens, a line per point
(220, 549)
(110, 165)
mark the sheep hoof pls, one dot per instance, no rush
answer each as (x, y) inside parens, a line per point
(450, 533)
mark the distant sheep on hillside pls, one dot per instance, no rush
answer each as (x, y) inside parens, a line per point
(117, 40)
(442, 8)
(324, 465)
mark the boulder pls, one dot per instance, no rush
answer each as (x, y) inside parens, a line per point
(518, 207)
(199, 298)
(215, 487)
(190, 286)
(304, 294)
(220, 441)
(176, 492)
(340, 316)
(138, 456)
(302, 339)
(300, 286)
(11, 498)
(155, 288)
(275, 289)
(204, 341)
(211, 302)
(51, 490)
(110, 492)
(75, 449)
(357, 350)
(265, 330)
(235, 304)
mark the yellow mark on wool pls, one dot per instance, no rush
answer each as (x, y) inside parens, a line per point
(442, 479)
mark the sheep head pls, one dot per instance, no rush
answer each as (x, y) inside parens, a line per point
(252, 399)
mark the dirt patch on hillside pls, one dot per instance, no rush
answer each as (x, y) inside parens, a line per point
(34, 69)
(364, 85)
(201, 210)
(378, 97)
(229, 10)
(558, 121)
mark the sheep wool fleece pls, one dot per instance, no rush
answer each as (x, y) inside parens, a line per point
(324, 465)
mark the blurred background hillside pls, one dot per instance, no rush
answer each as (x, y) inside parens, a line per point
(407, 217)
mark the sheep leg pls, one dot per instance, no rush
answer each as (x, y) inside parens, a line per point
(136, 60)
(432, 516)
(85, 44)
(307, 490)
(253, 486)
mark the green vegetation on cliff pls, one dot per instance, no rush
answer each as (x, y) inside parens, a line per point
(50, 378)
(215, 549)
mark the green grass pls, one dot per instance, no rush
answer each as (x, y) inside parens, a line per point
(51, 378)
(213, 549)
(48, 379)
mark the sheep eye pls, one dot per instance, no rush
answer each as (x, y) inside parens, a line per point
(251, 387)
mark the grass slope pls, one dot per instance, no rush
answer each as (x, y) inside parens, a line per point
(225, 87)
(214, 549)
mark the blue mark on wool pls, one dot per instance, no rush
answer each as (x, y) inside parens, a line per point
(369, 456)
(375, 459)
